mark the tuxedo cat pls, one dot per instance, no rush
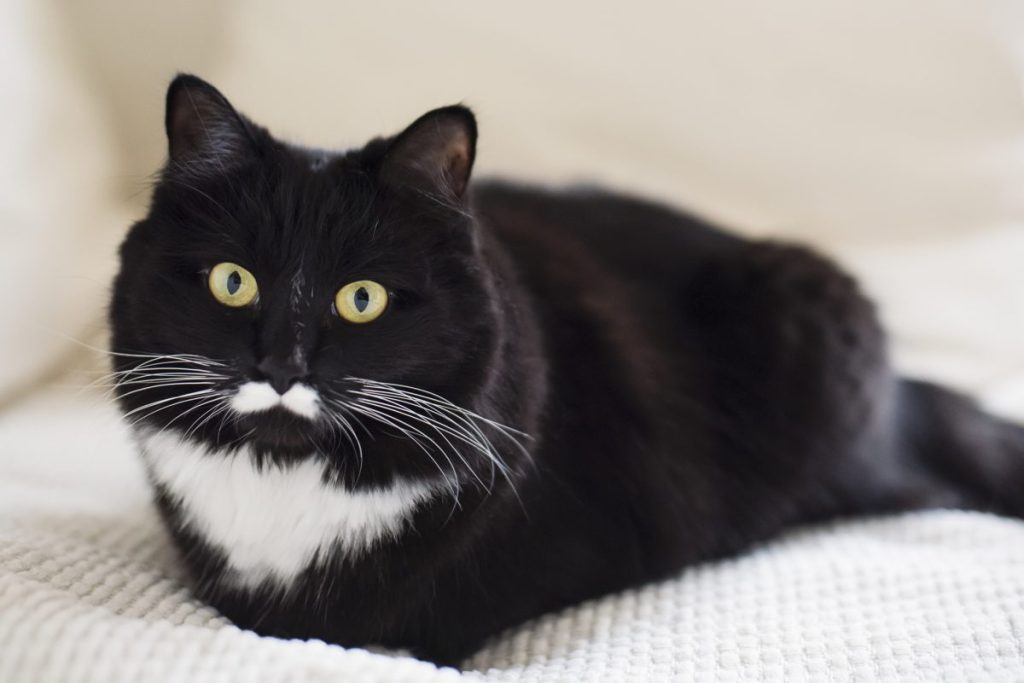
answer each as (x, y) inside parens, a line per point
(381, 404)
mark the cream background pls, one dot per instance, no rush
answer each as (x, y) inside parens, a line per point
(891, 134)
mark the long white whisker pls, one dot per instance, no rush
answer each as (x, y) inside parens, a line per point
(413, 435)
(191, 357)
(344, 427)
(154, 370)
(179, 401)
(454, 412)
(199, 404)
(459, 424)
(443, 432)
(184, 397)
(164, 385)
(212, 405)
(442, 416)
(429, 395)
(353, 438)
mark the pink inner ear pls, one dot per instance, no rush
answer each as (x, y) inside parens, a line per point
(434, 153)
(457, 166)
(203, 129)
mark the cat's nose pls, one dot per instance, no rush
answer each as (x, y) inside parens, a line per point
(282, 373)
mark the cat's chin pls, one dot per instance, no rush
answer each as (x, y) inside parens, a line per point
(279, 430)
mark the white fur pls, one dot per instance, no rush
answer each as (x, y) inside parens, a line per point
(255, 397)
(301, 400)
(275, 521)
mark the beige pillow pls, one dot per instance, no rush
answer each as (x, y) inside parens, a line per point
(57, 227)
(891, 133)
(866, 120)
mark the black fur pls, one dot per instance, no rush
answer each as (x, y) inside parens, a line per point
(688, 392)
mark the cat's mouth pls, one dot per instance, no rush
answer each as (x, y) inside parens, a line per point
(274, 420)
(279, 430)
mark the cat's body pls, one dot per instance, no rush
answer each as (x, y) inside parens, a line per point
(687, 393)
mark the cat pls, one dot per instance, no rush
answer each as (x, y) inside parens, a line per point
(381, 405)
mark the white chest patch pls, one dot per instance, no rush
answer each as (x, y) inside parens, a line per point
(273, 522)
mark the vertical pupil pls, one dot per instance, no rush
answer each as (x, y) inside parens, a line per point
(234, 283)
(361, 299)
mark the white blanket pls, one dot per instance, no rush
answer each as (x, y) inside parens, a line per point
(889, 133)
(90, 591)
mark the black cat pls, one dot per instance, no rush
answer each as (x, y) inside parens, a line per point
(382, 406)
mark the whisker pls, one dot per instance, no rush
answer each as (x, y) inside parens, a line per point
(166, 385)
(215, 404)
(476, 438)
(439, 403)
(441, 400)
(402, 407)
(441, 433)
(416, 436)
(182, 397)
(189, 357)
(440, 429)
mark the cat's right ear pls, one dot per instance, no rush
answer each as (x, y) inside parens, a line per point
(204, 132)
(435, 153)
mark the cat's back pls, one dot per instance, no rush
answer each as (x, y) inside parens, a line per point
(594, 229)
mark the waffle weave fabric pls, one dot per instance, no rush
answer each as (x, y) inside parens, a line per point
(90, 591)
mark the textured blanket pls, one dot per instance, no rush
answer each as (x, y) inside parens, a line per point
(90, 591)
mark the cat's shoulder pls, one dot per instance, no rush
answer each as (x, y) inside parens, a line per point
(615, 223)
(591, 199)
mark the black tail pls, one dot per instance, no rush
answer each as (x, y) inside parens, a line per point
(972, 459)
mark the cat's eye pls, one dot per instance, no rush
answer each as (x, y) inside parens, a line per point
(361, 301)
(232, 285)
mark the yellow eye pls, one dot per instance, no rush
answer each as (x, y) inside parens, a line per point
(361, 301)
(232, 285)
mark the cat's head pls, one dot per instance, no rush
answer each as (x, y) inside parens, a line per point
(297, 301)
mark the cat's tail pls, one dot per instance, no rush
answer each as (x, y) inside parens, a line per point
(978, 459)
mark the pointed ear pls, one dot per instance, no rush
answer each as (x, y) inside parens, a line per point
(203, 129)
(436, 152)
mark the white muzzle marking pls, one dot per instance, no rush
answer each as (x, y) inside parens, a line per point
(256, 397)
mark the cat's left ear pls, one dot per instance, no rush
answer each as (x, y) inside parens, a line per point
(203, 130)
(435, 153)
